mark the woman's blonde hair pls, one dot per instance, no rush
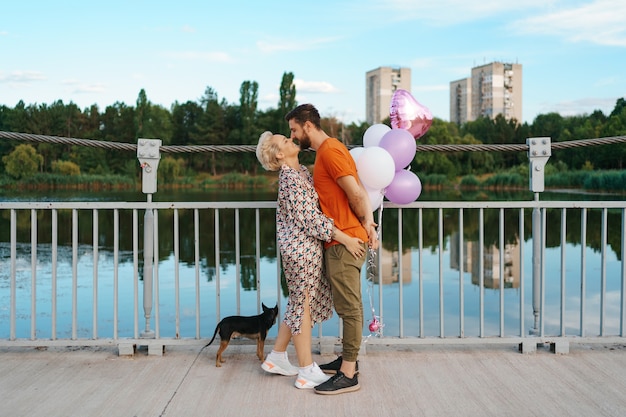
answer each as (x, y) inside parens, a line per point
(266, 152)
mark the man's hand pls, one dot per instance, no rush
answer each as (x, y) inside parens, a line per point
(372, 234)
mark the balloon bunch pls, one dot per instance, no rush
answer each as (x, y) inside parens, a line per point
(383, 168)
(383, 161)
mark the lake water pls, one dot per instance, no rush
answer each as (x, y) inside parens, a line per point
(244, 286)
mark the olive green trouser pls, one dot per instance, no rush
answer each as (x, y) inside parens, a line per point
(344, 275)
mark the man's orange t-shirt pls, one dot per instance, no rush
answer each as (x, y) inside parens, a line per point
(333, 161)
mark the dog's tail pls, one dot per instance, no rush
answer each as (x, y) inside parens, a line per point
(213, 338)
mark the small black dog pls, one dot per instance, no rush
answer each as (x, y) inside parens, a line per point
(253, 327)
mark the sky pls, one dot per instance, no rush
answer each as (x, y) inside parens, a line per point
(572, 52)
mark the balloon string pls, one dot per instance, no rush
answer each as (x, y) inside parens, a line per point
(375, 325)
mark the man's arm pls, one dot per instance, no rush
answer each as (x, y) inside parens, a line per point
(360, 205)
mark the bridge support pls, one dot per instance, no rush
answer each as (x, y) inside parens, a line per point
(149, 156)
(539, 152)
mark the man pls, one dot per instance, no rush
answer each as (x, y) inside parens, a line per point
(344, 199)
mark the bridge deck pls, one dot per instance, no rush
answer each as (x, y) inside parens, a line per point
(395, 381)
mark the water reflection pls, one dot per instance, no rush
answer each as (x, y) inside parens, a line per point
(491, 258)
(391, 267)
(398, 259)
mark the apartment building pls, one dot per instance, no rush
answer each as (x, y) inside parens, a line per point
(380, 84)
(492, 89)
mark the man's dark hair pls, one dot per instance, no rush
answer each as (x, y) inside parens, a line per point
(305, 113)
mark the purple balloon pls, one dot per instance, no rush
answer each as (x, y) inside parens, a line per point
(401, 146)
(405, 188)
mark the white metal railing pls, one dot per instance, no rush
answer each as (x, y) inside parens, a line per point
(392, 306)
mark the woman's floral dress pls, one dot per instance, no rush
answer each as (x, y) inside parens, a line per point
(301, 226)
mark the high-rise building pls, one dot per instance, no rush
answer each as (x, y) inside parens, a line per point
(461, 101)
(492, 89)
(380, 84)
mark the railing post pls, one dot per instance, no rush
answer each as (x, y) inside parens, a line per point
(536, 257)
(148, 155)
(539, 152)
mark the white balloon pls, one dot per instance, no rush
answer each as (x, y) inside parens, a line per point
(376, 167)
(376, 197)
(374, 134)
(356, 152)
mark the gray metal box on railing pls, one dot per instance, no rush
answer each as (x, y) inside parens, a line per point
(148, 154)
(539, 152)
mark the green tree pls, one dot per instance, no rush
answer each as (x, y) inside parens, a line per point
(576, 128)
(620, 107)
(210, 129)
(22, 162)
(248, 104)
(90, 159)
(65, 168)
(472, 162)
(548, 125)
(170, 169)
(272, 120)
(613, 156)
(5, 146)
(118, 125)
(152, 121)
(287, 101)
(355, 132)
(142, 115)
(435, 162)
(185, 118)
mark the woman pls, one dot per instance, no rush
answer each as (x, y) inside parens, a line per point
(301, 227)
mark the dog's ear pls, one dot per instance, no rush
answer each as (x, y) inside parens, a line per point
(264, 307)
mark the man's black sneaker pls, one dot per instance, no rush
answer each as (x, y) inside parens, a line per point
(331, 368)
(338, 384)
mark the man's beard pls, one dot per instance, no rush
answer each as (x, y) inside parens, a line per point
(305, 142)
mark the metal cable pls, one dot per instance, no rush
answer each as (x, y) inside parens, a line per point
(28, 137)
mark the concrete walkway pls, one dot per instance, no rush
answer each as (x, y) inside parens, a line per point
(395, 381)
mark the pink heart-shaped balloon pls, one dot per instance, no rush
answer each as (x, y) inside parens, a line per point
(407, 113)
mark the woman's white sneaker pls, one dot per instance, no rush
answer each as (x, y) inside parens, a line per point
(277, 364)
(310, 378)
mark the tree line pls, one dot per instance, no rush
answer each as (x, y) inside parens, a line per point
(213, 121)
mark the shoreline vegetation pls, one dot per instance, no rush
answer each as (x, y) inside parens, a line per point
(516, 178)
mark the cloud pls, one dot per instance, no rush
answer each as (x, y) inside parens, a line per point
(222, 57)
(270, 98)
(579, 107)
(314, 86)
(82, 88)
(449, 12)
(281, 45)
(70, 81)
(605, 82)
(269, 47)
(22, 77)
(90, 88)
(600, 22)
(188, 29)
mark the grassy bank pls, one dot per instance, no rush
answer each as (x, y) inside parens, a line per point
(513, 179)
(611, 181)
(90, 182)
